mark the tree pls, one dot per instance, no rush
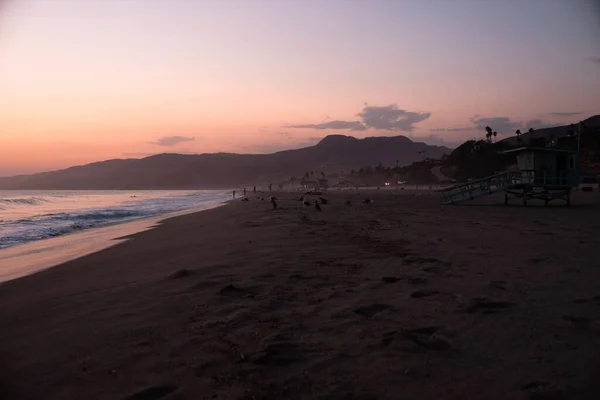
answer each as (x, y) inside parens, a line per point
(488, 134)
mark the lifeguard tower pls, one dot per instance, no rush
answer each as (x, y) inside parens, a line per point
(545, 174)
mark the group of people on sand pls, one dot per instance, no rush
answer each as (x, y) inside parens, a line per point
(253, 190)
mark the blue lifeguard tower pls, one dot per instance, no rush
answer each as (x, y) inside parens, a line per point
(542, 173)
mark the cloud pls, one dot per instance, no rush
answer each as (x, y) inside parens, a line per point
(498, 124)
(463, 129)
(539, 124)
(594, 59)
(391, 118)
(351, 125)
(565, 114)
(169, 141)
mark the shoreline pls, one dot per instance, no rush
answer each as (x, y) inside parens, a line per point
(30, 258)
(402, 295)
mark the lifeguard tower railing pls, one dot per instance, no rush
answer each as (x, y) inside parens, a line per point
(475, 188)
(547, 179)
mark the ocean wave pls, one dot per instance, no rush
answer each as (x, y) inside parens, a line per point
(53, 223)
(26, 201)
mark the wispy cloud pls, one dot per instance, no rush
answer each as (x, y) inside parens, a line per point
(498, 124)
(539, 124)
(565, 113)
(168, 141)
(463, 129)
(389, 118)
(594, 59)
(138, 155)
(349, 125)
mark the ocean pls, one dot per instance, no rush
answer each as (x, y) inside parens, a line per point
(29, 216)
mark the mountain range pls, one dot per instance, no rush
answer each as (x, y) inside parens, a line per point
(333, 154)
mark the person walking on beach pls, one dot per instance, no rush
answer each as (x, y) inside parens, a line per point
(254, 189)
(270, 187)
(234, 194)
(244, 192)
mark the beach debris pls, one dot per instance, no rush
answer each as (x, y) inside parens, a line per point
(153, 393)
(372, 310)
(233, 291)
(484, 305)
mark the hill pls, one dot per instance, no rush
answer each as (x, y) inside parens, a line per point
(475, 159)
(335, 153)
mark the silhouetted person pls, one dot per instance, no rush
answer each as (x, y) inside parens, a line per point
(244, 192)
(274, 203)
(234, 194)
(254, 189)
(270, 187)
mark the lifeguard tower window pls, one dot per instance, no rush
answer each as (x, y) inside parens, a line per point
(561, 163)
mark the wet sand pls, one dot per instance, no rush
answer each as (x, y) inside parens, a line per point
(399, 299)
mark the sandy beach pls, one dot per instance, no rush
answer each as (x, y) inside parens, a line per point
(399, 299)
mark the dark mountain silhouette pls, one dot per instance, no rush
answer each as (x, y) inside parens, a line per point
(335, 153)
(551, 133)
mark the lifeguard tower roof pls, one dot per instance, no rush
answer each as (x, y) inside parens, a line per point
(538, 149)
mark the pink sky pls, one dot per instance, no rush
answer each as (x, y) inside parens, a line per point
(83, 81)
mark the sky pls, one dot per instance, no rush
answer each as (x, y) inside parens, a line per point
(83, 81)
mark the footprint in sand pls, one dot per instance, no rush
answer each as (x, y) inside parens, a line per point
(182, 273)
(279, 354)
(423, 293)
(372, 310)
(233, 291)
(482, 305)
(425, 338)
(153, 393)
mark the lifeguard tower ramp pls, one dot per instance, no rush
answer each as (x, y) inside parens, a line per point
(481, 187)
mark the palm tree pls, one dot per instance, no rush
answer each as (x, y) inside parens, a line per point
(488, 134)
